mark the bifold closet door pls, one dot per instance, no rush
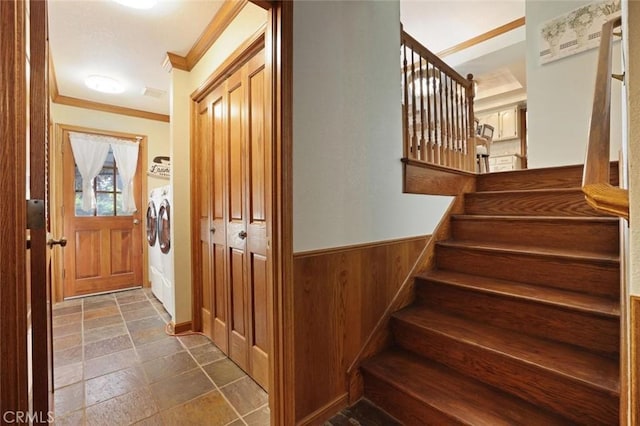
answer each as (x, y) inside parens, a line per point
(247, 218)
(211, 182)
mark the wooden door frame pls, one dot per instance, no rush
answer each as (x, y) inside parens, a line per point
(278, 45)
(13, 309)
(56, 179)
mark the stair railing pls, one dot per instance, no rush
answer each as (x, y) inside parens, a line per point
(437, 109)
(599, 193)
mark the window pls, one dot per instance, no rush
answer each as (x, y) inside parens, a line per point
(108, 188)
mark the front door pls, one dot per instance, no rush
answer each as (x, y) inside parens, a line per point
(104, 251)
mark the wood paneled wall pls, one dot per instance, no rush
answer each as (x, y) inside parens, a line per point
(339, 296)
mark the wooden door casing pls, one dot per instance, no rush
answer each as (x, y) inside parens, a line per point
(104, 253)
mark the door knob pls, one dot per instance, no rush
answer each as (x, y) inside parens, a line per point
(136, 221)
(242, 234)
(212, 229)
(62, 242)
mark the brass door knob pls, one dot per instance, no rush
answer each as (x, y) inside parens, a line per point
(62, 242)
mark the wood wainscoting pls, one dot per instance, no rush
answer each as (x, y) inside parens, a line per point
(340, 294)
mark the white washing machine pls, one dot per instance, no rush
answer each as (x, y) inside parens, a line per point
(165, 215)
(155, 255)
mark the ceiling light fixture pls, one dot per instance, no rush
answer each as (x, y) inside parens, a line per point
(104, 84)
(138, 4)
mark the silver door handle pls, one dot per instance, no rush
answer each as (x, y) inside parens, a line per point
(136, 221)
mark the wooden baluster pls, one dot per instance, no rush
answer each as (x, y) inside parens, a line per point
(423, 146)
(430, 154)
(440, 124)
(447, 120)
(405, 106)
(434, 126)
(459, 152)
(470, 122)
(414, 131)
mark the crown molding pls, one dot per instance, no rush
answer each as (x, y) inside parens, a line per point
(483, 37)
(114, 109)
(227, 13)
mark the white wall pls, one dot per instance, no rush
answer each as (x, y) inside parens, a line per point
(560, 95)
(347, 137)
(183, 84)
(633, 108)
(157, 132)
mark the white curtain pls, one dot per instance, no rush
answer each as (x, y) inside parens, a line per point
(126, 155)
(90, 152)
(90, 155)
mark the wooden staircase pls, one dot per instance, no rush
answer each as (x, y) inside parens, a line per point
(519, 324)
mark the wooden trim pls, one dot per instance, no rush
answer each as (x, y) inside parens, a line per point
(181, 327)
(57, 193)
(227, 13)
(283, 386)
(502, 29)
(173, 60)
(424, 178)
(635, 360)
(39, 254)
(242, 54)
(114, 109)
(14, 391)
(342, 249)
(380, 336)
(196, 262)
(325, 412)
(265, 4)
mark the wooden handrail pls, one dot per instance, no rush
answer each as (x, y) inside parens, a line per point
(599, 193)
(437, 109)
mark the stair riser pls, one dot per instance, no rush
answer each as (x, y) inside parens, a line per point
(572, 399)
(593, 332)
(529, 204)
(600, 278)
(564, 177)
(595, 237)
(403, 406)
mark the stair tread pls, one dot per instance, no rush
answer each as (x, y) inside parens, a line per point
(579, 255)
(547, 295)
(467, 400)
(515, 218)
(529, 191)
(577, 364)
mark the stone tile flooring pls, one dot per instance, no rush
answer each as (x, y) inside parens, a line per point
(363, 413)
(115, 365)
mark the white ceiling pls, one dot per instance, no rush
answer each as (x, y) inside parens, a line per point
(104, 37)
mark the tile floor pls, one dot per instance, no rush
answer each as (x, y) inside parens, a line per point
(363, 413)
(115, 365)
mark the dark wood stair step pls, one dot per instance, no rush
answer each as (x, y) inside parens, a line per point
(589, 234)
(565, 269)
(570, 300)
(572, 382)
(552, 177)
(420, 392)
(585, 321)
(536, 202)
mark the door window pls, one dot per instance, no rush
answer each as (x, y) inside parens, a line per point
(108, 188)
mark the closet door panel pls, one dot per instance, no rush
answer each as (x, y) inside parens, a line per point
(203, 188)
(236, 223)
(257, 222)
(217, 196)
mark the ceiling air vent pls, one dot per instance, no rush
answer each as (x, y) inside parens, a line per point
(153, 93)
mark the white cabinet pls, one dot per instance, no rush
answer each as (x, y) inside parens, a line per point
(504, 122)
(503, 163)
